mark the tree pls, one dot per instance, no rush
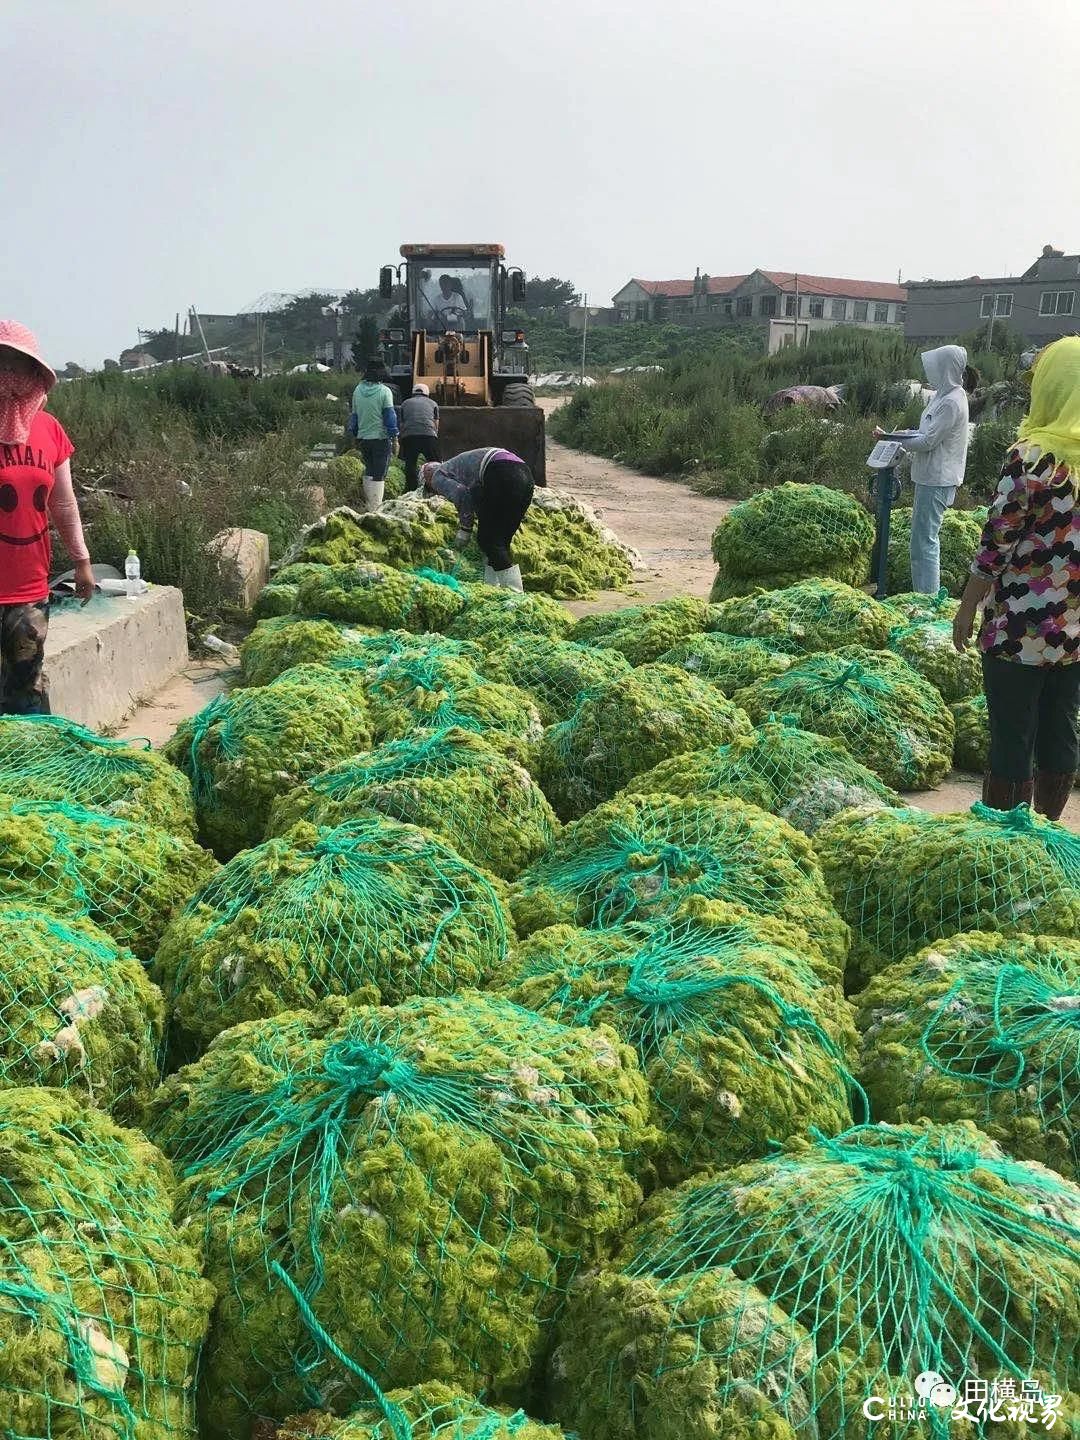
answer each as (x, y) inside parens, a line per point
(72, 371)
(159, 343)
(365, 341)
(549, 297)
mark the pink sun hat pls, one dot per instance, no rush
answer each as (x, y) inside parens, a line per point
(18, 337)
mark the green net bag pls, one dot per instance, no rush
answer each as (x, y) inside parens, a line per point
(740, 1042)
(627, 726)
(280, 595)
(904, 879)
(451, 782)
(429, 1178)
(127, 878)
(971, 750)
(730, 662)
(639, 857)
(643, 632)
(805, 618)
(984, 1028)
(45, 757)
(556, 673)
(914, 608)
(928, 648)
(244, 749)
(102, 1305)
(783, 1296)
(960, 534)
(424, 1412)
(76, 1012)
(803, 778)
(492, 616)
(794, 529)
(891, 720)
(369, 594)
(279, 644)
(372, 905)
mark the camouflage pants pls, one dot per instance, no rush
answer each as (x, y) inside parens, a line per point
(24, 688)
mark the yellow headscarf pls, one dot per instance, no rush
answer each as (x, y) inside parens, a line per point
(1053, 418)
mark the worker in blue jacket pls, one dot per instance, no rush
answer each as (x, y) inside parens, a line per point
(374, 423)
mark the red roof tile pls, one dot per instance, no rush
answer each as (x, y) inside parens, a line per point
(683, 289)
(842, 289)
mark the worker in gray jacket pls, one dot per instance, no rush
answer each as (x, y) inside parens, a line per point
(419, 432)
(492, 489)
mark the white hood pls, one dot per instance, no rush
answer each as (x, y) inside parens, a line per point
(944, 367)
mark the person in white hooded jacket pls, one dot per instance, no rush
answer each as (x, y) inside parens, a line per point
(938, 452)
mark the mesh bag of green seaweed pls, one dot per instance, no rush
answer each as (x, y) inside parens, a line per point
(449, 781)
(741, 1043)
(556, 673)
(971, 750)
(927, 646)
(642, 633)
(803, 778)
(984, 1028)
(102, 1303)
(730, 662)
(130, 879)
(626, 726)
(778, 1298)
(640, 856)
(77, 1012)
(372, 906)
(428, 1178)
(914, 607)
(247, 747)
(892, 721)
(959, 539)
(277, 645)
(492, 616)
(904, 879)
(368, 594)
(803, 619)
(424, 1412)
(45, 757)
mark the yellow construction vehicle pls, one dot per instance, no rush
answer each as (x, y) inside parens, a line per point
(457, 344)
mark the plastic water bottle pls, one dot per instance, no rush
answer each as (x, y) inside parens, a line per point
(133, 575)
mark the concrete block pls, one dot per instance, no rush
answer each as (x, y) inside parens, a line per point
(102, 659)
(247, 554)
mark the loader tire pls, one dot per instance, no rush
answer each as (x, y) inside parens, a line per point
(519, 396)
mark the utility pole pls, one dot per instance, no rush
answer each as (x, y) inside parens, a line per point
(176, 354)
(584, 334)
(795, 329)
(990, 327)
(260, 328)
(202, 337)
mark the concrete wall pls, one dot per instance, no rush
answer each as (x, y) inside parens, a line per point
(102, 659)
(946, 309)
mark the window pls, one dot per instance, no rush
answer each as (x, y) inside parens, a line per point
(838, 309)
(999, 305)
(712, 302)
(727, 305)
(901, 313)
(862, 309)
(817, 308)
(768, 305)
(791, 306)
(744, 305)
(881, 313)
(1056, 302)
(986, 309)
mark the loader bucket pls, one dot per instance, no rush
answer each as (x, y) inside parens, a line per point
(520, 429)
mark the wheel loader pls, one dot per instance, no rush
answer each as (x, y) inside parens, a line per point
(458, 344)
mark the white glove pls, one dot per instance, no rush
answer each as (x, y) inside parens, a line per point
(461, 539)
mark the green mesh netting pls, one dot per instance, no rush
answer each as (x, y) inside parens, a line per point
(805, 618)
(960, 534)
(102, 1305)
(984, 1028)
(971, 750)
(643, 632)
(378, 595)
(280, 595)
(629, 725)
(492, 616)
(429, 1177)
(450, 781)
(916, 608)
(730, 662)
(424, 1412)
(76, 1012)
(927, 646)
(371, 905)
(244, 749)
(278, 644)
(45, 757)
(903, 878)
(556, 673)
(791, 532)
(639, 857)
(130, 879)
(740, 1042)
(891, 720)
(802, 777)
(776, 1299)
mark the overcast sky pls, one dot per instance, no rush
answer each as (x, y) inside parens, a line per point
(158, 154)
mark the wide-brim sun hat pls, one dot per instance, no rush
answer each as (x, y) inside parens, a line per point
(17, 337)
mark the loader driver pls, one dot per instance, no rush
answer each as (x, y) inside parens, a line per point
(493, 489)
(453, 306)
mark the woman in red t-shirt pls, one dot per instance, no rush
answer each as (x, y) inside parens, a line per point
(35, 487)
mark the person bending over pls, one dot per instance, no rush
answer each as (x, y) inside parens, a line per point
(492, 489)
